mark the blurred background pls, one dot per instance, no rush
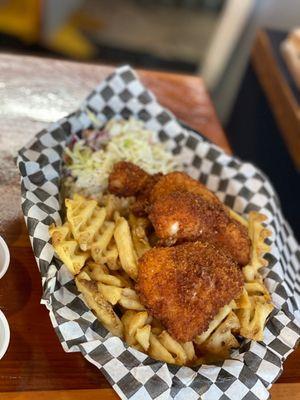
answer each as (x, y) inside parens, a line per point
(225, 41)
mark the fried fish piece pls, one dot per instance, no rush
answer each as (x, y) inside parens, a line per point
(142, 203)
(180, 181)
(186, 216)
(185, 286)
(127, 179)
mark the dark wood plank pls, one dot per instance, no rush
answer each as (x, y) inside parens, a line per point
(283, 103)
(279, 391)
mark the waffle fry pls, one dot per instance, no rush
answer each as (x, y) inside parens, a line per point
(157, 327)
(107, 271)
(126, 320)
(111, 257)
(67, 248)
(113, 203)
(158, 351)
(165, 348)
(137, 321)
(111, 293)
(138, 230)
(257, 289)
(108, 279)
(222, 314)
(243, 301)
(85, 218)
(173, 347)
(219, 339)
(143, 336)
(222, 340)
(130, 300)
(95, 270)
(189, 351)
(254, 306)
(102, 240)
(238, 217)
(258, 234)
(253, 319)
(138, 330)
(99, 305)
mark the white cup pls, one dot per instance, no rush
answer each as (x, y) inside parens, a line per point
(4, 334)
(4, 327)
(4, 257)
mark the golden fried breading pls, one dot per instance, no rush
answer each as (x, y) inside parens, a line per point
(185, 286)
(142, 203)
(175, 181)
(127, 179)
(235, 239)
(185, 216)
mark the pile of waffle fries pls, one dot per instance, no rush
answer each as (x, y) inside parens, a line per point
(100, 244)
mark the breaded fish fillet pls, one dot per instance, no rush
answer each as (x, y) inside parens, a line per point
(127, 179)
(196, 214)
(141, 206)
(186, 216)
(175, 181)
(184, 286)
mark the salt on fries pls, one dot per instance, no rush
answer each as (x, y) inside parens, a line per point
(100, 245)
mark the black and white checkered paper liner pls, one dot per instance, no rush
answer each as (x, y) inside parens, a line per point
(256, 365)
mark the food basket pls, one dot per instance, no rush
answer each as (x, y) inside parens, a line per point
(255, 365)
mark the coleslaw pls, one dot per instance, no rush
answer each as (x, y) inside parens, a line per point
(87, 170)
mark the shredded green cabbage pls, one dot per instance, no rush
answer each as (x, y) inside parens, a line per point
(129, 141)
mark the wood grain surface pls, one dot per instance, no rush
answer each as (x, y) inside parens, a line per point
(278, 392)
(284, 105)
(33, 93)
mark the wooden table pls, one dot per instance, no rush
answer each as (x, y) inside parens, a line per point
(33, 92)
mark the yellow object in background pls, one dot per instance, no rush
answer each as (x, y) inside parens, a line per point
(21, 18)
(55, 25)
(70, 41)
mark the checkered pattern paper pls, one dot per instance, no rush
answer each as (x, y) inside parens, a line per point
(256, 365)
